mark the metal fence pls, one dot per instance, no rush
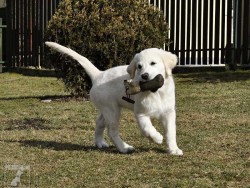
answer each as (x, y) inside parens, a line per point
(26, 21)
(208, 32)
(202, 32)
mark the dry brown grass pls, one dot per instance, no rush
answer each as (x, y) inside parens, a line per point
(56, 139)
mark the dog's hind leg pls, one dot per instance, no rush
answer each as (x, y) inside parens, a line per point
(100, 126)
(112, 121)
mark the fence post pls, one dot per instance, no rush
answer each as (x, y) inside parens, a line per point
(8, 34)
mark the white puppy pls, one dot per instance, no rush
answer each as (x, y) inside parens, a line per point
(108, 89)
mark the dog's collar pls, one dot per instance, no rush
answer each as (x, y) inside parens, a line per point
(128, 99)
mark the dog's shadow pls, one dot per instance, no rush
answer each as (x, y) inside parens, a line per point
(57, 146)
(63, 146)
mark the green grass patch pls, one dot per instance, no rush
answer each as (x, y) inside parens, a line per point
(55, 139)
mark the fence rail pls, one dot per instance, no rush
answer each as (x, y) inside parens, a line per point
(203, 32)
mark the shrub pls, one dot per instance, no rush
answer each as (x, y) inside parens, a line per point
(108, 33)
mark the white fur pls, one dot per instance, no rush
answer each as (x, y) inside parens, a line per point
(108, 90)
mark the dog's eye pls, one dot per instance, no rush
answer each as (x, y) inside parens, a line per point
(152, 63)
(139, 66)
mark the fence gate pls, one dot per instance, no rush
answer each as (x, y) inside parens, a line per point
(27, 20)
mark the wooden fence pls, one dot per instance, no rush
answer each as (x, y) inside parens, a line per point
(203, 32)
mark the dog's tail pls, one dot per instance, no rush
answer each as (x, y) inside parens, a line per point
(91, 70)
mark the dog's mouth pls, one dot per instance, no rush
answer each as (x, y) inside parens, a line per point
(146, 80)
(152, 85)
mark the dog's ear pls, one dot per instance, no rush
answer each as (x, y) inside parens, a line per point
(132, 67)
(170, 60)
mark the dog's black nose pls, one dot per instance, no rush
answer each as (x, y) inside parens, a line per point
(145, 76)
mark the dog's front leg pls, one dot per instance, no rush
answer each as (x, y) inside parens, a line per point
(148, 129)
(169, 124)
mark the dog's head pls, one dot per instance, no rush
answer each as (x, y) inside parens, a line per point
(149, 63)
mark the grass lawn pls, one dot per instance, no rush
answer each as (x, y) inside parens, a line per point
(54, 140)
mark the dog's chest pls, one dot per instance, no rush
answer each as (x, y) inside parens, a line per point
(151, 104)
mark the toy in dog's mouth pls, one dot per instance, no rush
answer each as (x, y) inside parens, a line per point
(151, 85)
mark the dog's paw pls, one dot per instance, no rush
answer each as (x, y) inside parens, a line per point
(157, 138)
(127, 149)
(175, 152)
(101, 144)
